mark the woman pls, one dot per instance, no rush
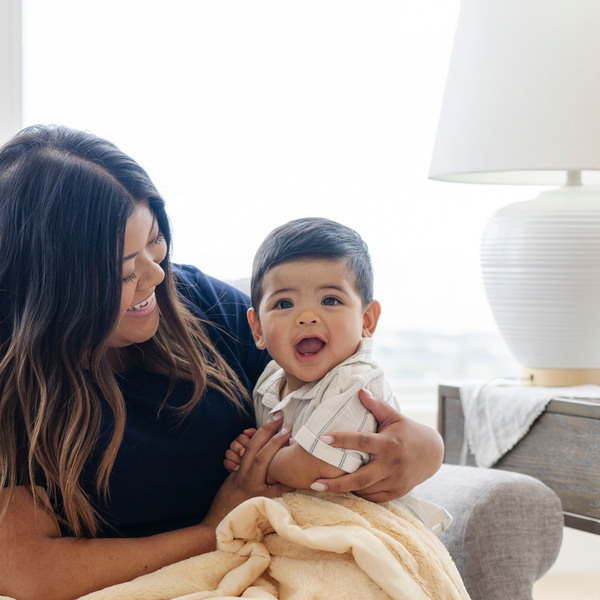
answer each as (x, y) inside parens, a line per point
(124, 380)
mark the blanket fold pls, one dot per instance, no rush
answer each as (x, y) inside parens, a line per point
(308, 545)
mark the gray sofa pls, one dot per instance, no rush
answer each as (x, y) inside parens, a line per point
(507, 528)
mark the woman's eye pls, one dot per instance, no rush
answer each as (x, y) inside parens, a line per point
(284, 304)
(159, 238)
(130, 278)
(330, 301)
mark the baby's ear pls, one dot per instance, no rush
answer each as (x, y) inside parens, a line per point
(371, 316)
(257, 332)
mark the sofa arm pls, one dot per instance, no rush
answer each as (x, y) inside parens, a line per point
(507, 528)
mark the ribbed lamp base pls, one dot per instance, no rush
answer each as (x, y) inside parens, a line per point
(560, 377)
(541, 270)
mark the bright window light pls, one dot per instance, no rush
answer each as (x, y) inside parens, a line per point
(247, 114)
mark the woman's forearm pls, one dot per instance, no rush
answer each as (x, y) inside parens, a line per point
(37, 563)
(67, 568)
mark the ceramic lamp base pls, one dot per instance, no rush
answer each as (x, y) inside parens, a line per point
(541, 270)
(560, 377)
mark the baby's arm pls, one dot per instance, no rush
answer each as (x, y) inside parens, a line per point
(299, 465)
(292, 464)
(297, 468)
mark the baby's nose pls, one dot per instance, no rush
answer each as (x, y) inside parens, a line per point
(307, 318)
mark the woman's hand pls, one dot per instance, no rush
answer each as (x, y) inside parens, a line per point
(250, 479)
(403, 454)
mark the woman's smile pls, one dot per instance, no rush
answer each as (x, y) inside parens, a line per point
(144, 308)
(145, 248)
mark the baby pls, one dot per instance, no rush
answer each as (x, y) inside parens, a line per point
(313, 310)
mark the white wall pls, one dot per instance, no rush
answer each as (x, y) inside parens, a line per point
(10, 69)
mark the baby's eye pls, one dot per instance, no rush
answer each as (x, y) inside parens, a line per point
(284, 304)
(130, 278)
(329, 301)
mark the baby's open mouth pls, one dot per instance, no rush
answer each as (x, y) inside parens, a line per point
(309, 346)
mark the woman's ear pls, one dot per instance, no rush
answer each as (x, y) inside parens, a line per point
(371, 316)
(257, 332)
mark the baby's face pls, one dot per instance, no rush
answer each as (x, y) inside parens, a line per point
(311, 318)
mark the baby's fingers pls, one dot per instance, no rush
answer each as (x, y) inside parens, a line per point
(257, 459)
(237, 448)
(232, 456)
(230, 466)
(262, 436)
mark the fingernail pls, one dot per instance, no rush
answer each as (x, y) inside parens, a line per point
(242, 452)
(236, 468)
(326, 439)
(285, 430)
(318, 487)
(277, 416)
(368, 393)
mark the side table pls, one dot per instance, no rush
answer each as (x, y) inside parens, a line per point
(562, 449)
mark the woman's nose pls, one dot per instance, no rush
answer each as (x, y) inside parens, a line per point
(152, 276)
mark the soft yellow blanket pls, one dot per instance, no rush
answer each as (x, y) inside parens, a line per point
(305, 546)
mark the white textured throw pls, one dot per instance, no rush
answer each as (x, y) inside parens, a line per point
(500, 412)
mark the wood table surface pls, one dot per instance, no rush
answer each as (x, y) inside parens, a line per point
(562, 449)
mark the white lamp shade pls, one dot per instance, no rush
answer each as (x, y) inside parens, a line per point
(522, 99)
(522, 106)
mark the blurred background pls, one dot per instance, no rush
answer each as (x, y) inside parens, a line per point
(249, 114)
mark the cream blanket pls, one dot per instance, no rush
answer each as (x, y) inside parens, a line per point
(304, 546)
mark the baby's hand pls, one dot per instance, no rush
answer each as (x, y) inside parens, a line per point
(233, 456)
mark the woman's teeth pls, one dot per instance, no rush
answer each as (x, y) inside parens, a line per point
(142, 304)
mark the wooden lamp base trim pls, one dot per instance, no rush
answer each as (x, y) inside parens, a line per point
(560, 377)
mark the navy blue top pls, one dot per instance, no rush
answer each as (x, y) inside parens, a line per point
(168, 471)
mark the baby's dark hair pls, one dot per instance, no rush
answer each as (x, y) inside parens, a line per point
(313, 238)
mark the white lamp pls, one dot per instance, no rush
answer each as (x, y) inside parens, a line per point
(522, 106)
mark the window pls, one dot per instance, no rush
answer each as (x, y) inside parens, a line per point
(249, 114)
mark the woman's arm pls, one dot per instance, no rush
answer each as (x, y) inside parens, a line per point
(403, 454)
(36, 562)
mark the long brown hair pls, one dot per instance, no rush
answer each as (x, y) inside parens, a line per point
(65, 198)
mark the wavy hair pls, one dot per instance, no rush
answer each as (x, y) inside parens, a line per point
(65, 198)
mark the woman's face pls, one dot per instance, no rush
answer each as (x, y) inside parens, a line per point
(145, 248)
